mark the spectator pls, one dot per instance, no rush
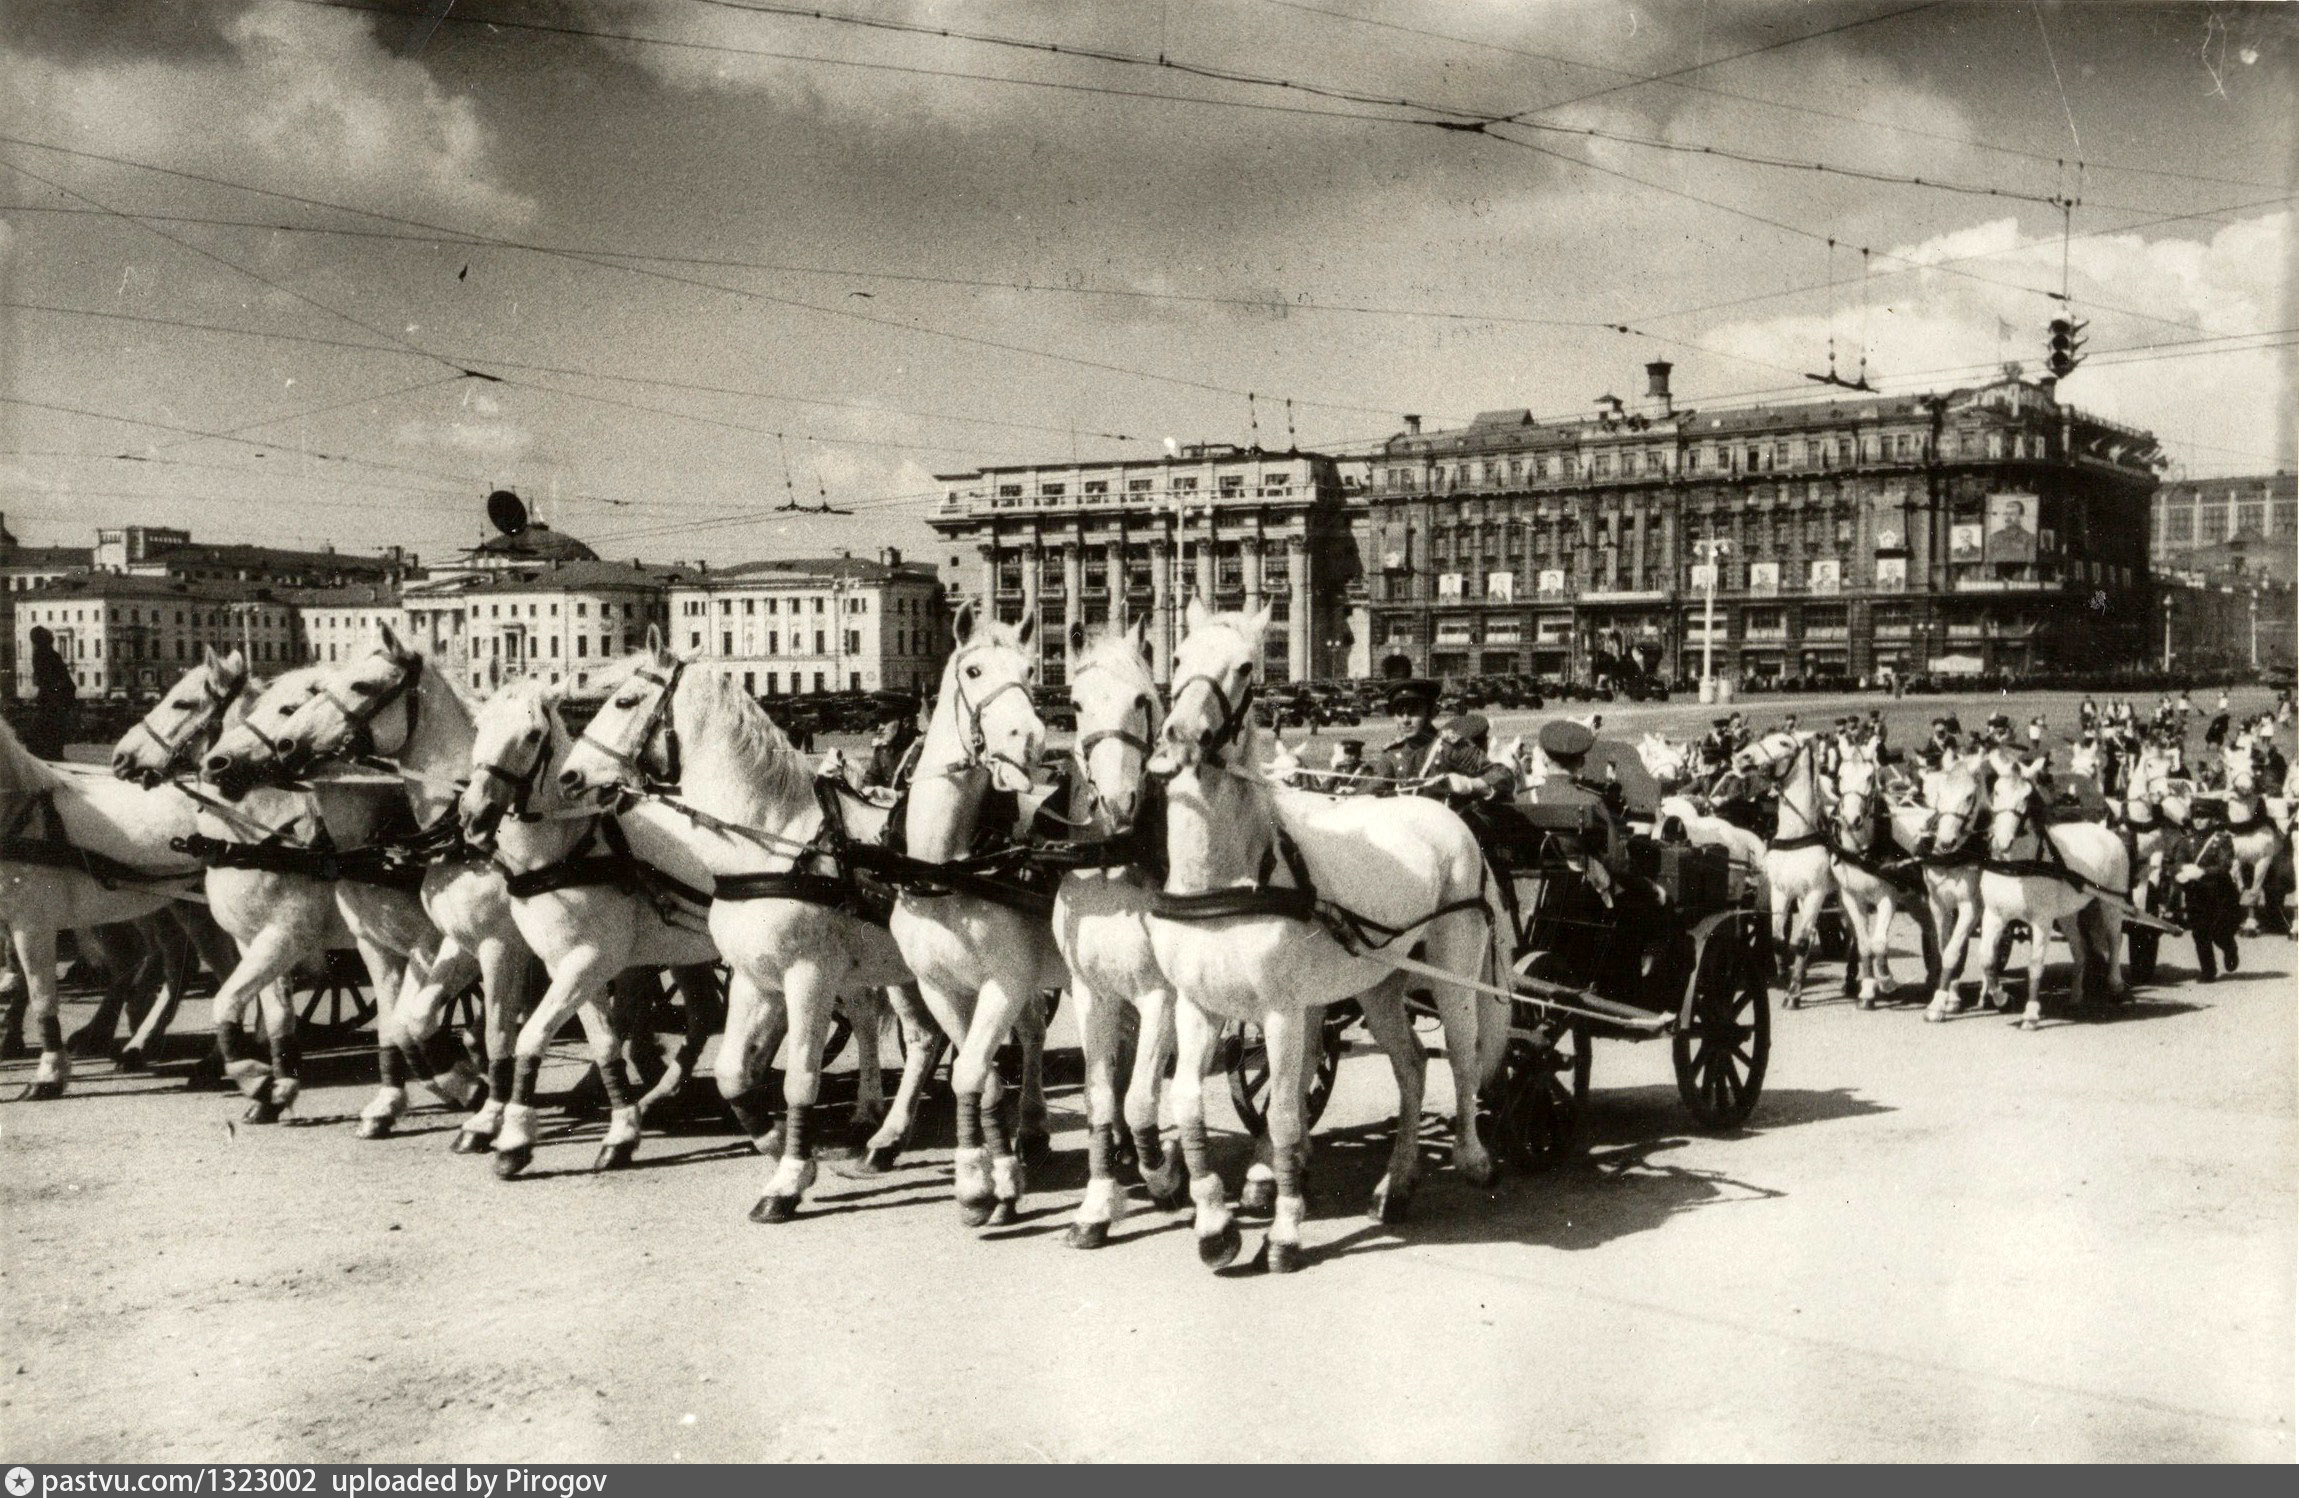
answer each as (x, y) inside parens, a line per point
(49, 727)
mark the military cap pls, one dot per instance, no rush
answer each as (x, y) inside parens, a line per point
(1469, 726)
(1720, 723)
(1562, 739)
(1417, 693)
(1357, 745)
(888, 702)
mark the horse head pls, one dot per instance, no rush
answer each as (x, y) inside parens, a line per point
(1118, 720)
(632, 741)
(1952, 792)
(1856, 802)
(2010, 806)
(514, 738)
(986, 700)
(192, 714)
(356, 708)
(246, 754)
(1213, 671)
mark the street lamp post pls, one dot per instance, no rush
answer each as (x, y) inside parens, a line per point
(2167, 630)
(1710, 548)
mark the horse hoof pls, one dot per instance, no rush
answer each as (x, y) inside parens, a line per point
(132, 1059)
(1391, 1207)
(1795, 1001)
(1285, 1258)
(1005, 1214)
(1168, 1189)
(42, 1092)
(262, 1111)
(1258, 1196)
(511, 1159)
(1486, 1177)
(1088, 1234)
(375, 1128)
(1036, 1147)
(616, 1156)
(975, 1212)
(466, 1142)
(206, 1076)
(882, 1159)
(2030, 1024)
(774, 1209)
(1220, 1250)
(12, 1048)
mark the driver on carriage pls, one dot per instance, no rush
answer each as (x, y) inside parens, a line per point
(1409, 756)
(894, 751)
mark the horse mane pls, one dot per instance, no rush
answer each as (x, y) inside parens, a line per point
(771, 776)
(20, 770)
(1112, 646)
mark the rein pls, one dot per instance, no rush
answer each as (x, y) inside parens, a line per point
(53, 848)
(359, 717)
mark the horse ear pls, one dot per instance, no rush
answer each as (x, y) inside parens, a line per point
(962, 627)
(1137, 635)
(213, 661)
(1027, 630)
(390, 641)
(655, 645)
(1261, 619)
(1077, 640)
(1195, 613)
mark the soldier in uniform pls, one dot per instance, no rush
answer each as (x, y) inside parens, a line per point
(894, 750)
(2209, 900)
(1463, 766)
(1347, 769)
(1410, 755)
(1716, 745)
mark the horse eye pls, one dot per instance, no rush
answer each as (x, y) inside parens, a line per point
(533, 734)
(973, 672)
(628, 702)
(364, 689)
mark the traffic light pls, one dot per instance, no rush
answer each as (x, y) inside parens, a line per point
(2066, 341)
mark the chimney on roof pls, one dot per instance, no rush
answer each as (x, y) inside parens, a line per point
(890, 555)
(1656, 396)
(1413, 423)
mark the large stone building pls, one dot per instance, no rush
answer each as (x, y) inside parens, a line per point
(816, 624)
(2219, 528)
(555, 621)
(1991, 528)
(162, 551)
(1091, 543)
(130, 636)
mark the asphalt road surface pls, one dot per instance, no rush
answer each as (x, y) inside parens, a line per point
(1953, 1241)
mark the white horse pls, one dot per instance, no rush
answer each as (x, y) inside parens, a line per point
(1405, 861)
(981, 963)
(2015, 887)
(80, 850)
(1101, 923)
(384, 695)
(798, 939)
(1671, 763)
(1798, 868)
(384, 917)
(1871, 896)
(1951, 842)
(2256, 841)
(593, 894)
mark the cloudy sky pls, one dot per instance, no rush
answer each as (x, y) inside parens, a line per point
(713, 257)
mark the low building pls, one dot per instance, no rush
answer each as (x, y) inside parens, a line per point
(23, 568)
(127, 636)
(556, 622)
(816, 624)
(337, 624)
(163, 551)
(1991, 528)
(1096, 543)
(2214, 528)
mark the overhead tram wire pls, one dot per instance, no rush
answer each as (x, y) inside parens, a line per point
(1676, 81)
(586, 258)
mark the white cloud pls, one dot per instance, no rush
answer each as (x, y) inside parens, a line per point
(304, 101)
(1932, 328)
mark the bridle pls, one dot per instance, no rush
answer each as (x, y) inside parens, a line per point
(656, 724)
(970, 711)
(1855, 810)
(208, 717)
(359, 716)
(1234, 714)
(1144, 706)
(520, 783)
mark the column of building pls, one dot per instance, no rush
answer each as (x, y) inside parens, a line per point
(1300, 608)
(987, 601)
(1249, 564)
(1161, 607)
(1073, 582)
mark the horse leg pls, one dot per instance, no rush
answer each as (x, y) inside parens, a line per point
(1035, 1137)
(1392, 1030)
(753, 1019)
(19, 1001)
(1781, 932)
(576, 979)
(119, 948)
(992, 1189)
(2039, 955)
(2077, 935)
(1807, 926)
(922, 1045)
(437, 1052)
(264, 961)
(809, 997)
(865, 1011)
(2106, 932)
(502, 987)
(1995, 950)
(1289, 1034)
(36, 955)
(220, 954)
(1098, 1034)
(1216, 1230)
(1947, 999)
(285, 1083)
(177, 963)
(1162, 1174)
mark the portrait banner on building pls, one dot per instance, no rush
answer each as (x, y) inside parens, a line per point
(1891, 572)
(1964, 542)
(1501, 586)
(1888, 517)
(1449, 585)
(1552, 583)
(1764, 578)
(2011, 528)
(1703, 574)
(1827, 576)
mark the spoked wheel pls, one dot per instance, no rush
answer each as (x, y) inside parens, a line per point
(1540, 1099)
(1724, 1034)
(331, 1003)
(1248, 1067)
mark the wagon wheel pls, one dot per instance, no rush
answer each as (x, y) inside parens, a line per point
(1540, 1098)
(334, 991)
(1248, 1067)
(1724, 1035)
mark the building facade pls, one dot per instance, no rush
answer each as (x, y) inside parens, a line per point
(127, 636)
(162, 551)
(820, 624)
(555, 622)
(2213, 528)
(1096, 543)
(338, 624)
(1990, 528)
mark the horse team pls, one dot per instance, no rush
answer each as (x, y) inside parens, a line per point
(374, 805)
